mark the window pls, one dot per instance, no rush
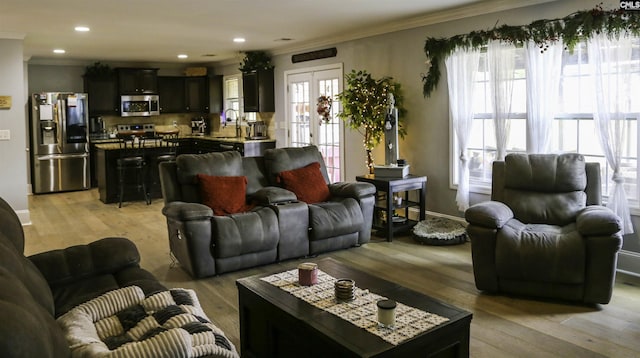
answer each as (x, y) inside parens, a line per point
(573, 127)
(232, 93)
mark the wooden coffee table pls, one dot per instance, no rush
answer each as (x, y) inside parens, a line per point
(274, 323)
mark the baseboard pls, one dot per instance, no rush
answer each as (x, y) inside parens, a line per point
(413, 213)
(24, 216)
(629, 262)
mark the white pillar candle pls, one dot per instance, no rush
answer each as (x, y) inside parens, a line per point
(387, 313)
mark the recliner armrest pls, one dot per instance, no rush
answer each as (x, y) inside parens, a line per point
(182, 211)
(356, 190)
(108, 255)
(273, 195)
(489, 214)
(596, 220)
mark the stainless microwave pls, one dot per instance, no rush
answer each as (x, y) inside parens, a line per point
(139, 105)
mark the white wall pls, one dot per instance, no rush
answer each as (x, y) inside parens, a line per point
(13, 163)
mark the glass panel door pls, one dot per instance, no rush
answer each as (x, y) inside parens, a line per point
(306, 126)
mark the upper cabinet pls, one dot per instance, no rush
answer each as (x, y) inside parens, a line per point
(103, 94)
(196, 94)
(180, 94)
(215, 94)
(171, 94)
(258, 91)
(137, 80)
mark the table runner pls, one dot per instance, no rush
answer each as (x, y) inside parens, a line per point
(361, 311)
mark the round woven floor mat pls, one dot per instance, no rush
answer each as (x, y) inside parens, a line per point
(440, 231)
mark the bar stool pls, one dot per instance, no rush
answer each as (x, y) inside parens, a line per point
(168, 142)
(132, 165)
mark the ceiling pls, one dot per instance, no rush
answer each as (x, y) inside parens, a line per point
(159, 30)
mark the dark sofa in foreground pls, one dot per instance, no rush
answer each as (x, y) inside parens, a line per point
(37, 290)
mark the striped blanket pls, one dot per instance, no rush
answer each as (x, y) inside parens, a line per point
(125, 323)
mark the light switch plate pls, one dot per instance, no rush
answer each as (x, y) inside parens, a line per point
(5, 134)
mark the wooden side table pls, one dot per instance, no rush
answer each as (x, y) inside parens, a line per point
(385, 205)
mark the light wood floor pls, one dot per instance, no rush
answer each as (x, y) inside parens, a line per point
(501, 326)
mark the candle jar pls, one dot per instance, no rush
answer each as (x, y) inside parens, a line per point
(308, 273)
(386, 313)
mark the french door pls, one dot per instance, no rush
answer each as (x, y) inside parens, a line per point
(305, 125)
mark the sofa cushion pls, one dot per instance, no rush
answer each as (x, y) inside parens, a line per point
(70, 295)
(545, 188)
(27, 328)
(125, 323)
(334, 218)
(11, 226)
(280, 159)
(28, 274)
(306, 182)
(545, 172)
(540, 253)
(188, 166)
(245, 233)
(224, 194)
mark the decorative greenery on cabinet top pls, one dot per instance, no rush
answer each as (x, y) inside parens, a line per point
(98, 70)
(573, 28)
(255, 60)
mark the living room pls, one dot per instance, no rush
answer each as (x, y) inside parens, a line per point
(426, 146)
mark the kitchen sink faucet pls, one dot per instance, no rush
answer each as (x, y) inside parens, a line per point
(237, 117)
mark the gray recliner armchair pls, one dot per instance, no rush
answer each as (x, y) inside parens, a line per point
(544, 233)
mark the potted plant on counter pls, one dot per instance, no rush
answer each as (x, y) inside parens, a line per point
(365, 102)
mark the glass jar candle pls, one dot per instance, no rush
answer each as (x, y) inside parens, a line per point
(308, 273)
(386, 313)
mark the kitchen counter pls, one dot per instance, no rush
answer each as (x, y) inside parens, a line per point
(112, 143)
(106, 151)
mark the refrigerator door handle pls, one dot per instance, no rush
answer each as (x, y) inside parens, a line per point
(62, 124)
(59, 156)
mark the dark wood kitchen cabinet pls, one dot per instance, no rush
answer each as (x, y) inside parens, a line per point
(107, 175)
(171, 94)
(103, 94)
(204, 145)
(137, 80)
(183, 94)
(258, 91)
(197, 94)
(215, 94)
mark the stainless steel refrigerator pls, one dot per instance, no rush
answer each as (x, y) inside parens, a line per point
(59, 142)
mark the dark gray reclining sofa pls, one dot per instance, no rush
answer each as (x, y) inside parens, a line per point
(280, 227)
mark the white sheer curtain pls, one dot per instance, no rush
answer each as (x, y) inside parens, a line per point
(543, 89)
(501, 58)
(462, 66)
(611, 61)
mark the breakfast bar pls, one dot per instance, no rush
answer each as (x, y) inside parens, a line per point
(107, 152)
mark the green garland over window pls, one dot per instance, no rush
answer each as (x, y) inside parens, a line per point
(572, 29)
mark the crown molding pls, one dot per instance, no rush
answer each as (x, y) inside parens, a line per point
(462, 12)
(12, 35)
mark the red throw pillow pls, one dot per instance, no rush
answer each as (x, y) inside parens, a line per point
(307, 183)
(224, 194)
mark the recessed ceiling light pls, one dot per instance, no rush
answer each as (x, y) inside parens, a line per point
(239, 40)
(182, 56)
(82, 28)
(59, 50)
